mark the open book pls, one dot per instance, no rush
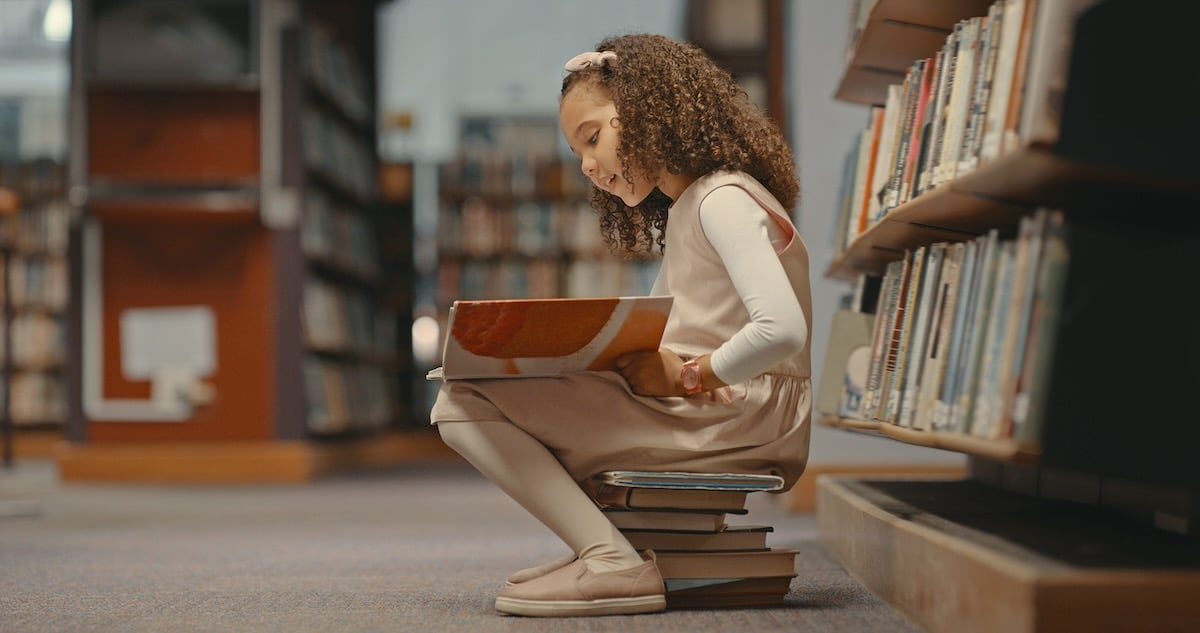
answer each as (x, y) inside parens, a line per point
(519, 338)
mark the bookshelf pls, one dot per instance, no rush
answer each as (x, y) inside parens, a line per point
(1086, 517)
(33, 226)
(232, 318)
(748, 40)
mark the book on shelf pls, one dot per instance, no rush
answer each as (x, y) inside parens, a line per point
(703, 481)
(680, 520)
(933, 372)
(896, 388)
(893, 331)
(731, 538)
(845, 364)
(613, 496)
(976, 323)
(520, 338)
(1033, 375)
(731, 565)
(922, 325)
(884, 314)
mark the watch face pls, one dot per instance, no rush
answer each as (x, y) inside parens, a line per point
(691, 376)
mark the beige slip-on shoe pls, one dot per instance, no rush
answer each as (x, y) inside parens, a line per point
(574, 590)
(529, 573)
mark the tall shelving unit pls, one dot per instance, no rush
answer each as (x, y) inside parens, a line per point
(1091, 522)
(33, 230)
(230, 323)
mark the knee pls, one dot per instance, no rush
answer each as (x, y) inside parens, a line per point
(456, 435)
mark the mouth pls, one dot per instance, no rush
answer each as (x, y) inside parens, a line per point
(607, 183)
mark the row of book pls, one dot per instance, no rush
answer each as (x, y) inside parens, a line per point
(39, 282)
(542, 278)
(39, 340)
(338, 236)
(38, 234)
(35, 181)
(995, 84)
(964, 334)
(705, 561)
(336, 73)
(347, 396)
(338, 319)
(332, 150)
(505, 174)
(38, 398)
(38, 229)
(481, 227)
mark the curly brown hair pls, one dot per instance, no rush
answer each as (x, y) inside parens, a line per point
(688, 116)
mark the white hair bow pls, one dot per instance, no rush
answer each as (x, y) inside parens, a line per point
(589, 59)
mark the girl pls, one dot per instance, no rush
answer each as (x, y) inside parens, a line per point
(681, 159)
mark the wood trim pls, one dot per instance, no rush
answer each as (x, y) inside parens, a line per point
(803, 496)
(36, 443)
(947, 576)
(296, 461)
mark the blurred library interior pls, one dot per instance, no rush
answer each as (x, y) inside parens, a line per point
(231, 232)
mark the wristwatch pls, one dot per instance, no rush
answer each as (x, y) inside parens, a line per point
(689, 377)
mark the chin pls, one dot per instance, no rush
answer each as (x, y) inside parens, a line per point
(634, 198)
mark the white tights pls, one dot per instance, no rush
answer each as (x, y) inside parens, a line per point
(529, 473)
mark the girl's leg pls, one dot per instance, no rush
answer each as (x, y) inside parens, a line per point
(529, 473)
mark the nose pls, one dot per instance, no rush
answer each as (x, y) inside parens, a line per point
(587, 166)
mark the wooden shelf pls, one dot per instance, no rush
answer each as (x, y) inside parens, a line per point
(959, 556)
(996, 195)
(1000, 449)
(894, 35)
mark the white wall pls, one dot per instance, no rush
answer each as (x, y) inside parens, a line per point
(442, 59)
(822, 133)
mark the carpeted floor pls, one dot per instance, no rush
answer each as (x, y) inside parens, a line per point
(418, 549)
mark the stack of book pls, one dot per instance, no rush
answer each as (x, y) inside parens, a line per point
(705, 561)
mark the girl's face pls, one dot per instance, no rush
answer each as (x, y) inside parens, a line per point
(588, 118)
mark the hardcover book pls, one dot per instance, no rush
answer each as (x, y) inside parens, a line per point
(681, 480)
(521, 338)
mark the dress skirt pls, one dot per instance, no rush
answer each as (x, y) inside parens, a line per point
(592, 422)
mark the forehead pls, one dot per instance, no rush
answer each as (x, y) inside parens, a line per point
(582, 102)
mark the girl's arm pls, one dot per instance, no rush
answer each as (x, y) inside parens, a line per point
(746, 239)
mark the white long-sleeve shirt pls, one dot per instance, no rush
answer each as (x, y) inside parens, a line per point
(747, 239)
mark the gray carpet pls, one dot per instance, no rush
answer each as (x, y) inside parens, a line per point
(419, 549)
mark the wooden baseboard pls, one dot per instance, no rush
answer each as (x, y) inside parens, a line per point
(35, 443)
(296, 461)
(960, 556)
(803, 496)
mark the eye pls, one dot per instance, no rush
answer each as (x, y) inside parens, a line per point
(594, 137)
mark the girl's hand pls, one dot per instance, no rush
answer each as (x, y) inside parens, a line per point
(652, 373)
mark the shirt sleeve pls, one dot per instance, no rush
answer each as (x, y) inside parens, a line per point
(747, 239)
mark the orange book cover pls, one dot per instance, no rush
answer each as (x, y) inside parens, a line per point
(521, 338)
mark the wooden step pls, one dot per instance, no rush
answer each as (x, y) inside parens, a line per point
(956, 555)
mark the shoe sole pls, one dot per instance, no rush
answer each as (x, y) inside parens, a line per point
(568, 608)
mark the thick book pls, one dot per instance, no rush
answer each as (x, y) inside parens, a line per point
(524, 338)
(732, 538)
(703, 481)
(614, 496)
(775, 562)
(726, 592)
(682, 520)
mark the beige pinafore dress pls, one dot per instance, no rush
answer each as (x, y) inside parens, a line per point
(592, 421)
